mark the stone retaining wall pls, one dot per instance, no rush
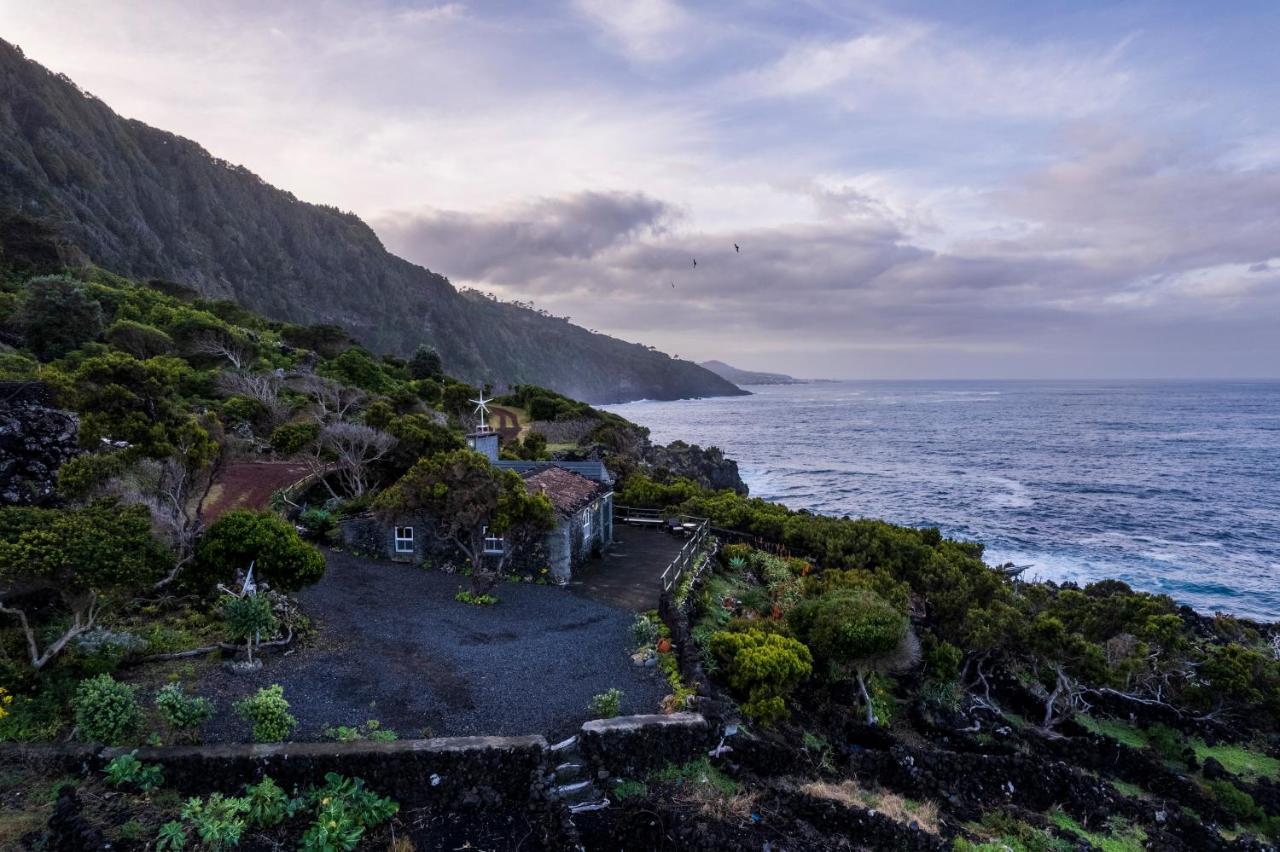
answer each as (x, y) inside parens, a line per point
(451, 771)
(633, 746)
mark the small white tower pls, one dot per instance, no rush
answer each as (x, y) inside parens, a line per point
(483, 439)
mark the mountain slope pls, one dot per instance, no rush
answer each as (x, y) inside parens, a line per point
(147, 203)
(749, 377)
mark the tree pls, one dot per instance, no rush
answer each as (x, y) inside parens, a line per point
(220, 344)
(262, 388)
(858, 631)
(125, 399)
(333, 400)
(271, 544)
(57, 315)
(469, 499)
(87, 557)
(173, 490)
(348, 450)
(426, 363)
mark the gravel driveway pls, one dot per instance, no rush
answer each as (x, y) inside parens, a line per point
(394, 645)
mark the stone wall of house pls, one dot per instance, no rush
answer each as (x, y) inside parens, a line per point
(373, 536)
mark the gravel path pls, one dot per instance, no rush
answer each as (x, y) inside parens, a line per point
(393, 645)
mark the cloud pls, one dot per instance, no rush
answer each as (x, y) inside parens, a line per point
(642, 30)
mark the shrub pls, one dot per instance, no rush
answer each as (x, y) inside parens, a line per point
(139, 340)
(269, 542)
(181, 712)
(127, 769)
(57, 315)
(317, 521)
(762, 667)
(606, 704)
(107, 711)
(268, 711)
(468, 597)
(290, 438)
(644, 632)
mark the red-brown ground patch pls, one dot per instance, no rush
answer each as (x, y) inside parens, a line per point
(249, 485)
(507, 425)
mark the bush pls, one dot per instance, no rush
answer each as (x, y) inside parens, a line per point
(219, 820)
(57, 315)
(139, 340)
(607, 704)
(181, 712)
(290, 438)
(268, 542)
(268, 711)
(317, 521)
(344, 810)
(763, 668)
(107, 711)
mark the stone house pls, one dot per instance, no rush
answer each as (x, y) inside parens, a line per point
(580, 492)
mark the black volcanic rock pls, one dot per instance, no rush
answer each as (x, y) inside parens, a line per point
(35, 440)
(146, 203)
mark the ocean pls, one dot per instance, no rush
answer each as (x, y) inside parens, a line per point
(1171, 486)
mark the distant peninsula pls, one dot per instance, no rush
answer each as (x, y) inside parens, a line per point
(749, 377)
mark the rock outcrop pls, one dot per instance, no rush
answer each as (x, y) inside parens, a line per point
(708, 467)
(35, 440)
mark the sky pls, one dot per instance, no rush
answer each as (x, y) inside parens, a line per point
(917, 190)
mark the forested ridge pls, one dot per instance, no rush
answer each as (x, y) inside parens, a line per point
(150, 204)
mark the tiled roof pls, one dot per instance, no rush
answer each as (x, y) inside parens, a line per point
(567, 491)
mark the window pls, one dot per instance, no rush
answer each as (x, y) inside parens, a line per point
(493, 543)
(404, 539)
(586, 523)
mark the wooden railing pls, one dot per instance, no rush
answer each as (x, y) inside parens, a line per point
(684, 559)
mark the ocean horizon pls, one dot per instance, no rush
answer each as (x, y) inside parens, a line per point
(1171, 485)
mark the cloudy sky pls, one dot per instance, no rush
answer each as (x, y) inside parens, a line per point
(987, 189)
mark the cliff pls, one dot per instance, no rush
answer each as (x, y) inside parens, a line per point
(149, 204)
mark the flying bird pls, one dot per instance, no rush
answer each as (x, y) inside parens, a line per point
(736, 249)
(673, 285)
(695, 261)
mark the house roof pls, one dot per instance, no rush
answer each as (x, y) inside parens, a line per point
(567, 491)
(590, 469)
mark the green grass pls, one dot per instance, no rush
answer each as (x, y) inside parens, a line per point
(630, 790)
(1119, 731)
(1239, 760)
(1120, 837)
(697, 773)
(1127, 789)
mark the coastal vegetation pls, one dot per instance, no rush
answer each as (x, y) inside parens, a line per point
(832, 642)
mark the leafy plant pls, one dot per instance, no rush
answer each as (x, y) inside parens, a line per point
(468, 597)
(107, 711)
(344, 810)
(181, 712)
(248, 618)
(127, 769)
(172, 837)
(644, 632)
(265, 803)
(606, 704)
(218, 821)
(268, 711)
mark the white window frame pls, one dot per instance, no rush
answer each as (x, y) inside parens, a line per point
(586, 523)
(404, 539)
(493, 543)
